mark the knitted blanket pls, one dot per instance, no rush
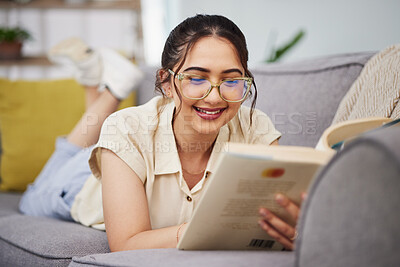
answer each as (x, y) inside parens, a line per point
(375, 93)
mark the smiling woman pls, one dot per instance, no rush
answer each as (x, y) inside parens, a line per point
(215, 59)
(204, 80)
(152, 161)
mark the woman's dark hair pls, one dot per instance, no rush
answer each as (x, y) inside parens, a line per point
(187, 33)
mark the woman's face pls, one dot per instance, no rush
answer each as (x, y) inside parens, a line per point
(215, 59)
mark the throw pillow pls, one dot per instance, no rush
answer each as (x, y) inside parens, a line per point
(32, 115)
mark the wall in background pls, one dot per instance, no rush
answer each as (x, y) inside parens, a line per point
(332, 27)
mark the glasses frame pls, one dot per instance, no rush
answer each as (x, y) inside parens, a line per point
(181, 76)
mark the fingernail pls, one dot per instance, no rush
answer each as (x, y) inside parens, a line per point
(279, 198)
(262, 223)
(263, 212)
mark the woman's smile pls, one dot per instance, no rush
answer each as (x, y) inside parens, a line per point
(209, 113)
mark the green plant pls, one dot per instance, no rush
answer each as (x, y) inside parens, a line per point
(276, 54)
(15, 34)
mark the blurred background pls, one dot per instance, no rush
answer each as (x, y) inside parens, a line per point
(138, 29)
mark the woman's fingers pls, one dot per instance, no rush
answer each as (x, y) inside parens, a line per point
(286, 203)
(276, 227)
(279, 225)
(287, 243)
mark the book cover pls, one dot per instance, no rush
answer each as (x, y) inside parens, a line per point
(247, 177)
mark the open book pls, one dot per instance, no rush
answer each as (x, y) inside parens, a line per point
(338, 135)
(248, 177)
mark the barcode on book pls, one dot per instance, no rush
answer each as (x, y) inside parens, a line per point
(260, 243)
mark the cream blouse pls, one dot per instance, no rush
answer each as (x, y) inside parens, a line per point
(143, 138)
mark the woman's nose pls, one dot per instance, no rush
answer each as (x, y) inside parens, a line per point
(213, 96)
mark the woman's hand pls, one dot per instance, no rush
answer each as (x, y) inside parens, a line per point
(277, 228)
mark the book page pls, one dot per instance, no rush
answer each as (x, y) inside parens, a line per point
(348, 130)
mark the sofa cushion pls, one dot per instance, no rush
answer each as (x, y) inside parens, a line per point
(351, 214)
(302, 98)
(146, 90)
(9, 203)
(30, 119)
(377, 91)
(32, 115)
(40, 241)
(176, 258)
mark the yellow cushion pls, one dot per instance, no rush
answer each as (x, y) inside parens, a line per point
(32, 115)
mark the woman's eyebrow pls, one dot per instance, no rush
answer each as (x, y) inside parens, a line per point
(208, 71)
(232, 70)
(198, 69)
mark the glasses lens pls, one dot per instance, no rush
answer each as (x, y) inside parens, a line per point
(194, 87)
(234, 90)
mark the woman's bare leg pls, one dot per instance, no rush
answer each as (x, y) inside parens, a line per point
(86, 132)
(91, 95)
(92, 68)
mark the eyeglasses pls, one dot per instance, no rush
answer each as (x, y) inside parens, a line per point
(196, 87)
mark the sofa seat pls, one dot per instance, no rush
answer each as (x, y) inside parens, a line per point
(39, 241)
(177, 258)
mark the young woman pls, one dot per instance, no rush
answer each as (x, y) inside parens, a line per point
(153, 160)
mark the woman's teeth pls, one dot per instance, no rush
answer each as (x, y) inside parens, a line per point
(208, 112)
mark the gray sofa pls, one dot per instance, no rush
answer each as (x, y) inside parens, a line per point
(301, 98)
